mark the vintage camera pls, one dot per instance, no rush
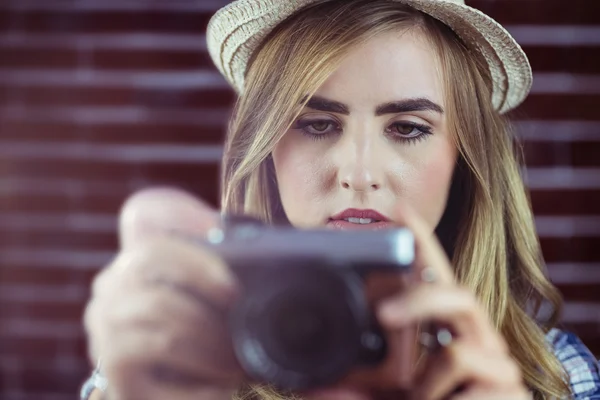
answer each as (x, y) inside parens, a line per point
(304, 319)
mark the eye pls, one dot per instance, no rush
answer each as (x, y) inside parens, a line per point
(408, 131)
(318, 128)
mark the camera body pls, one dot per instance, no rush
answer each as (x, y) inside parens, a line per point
(304, 318)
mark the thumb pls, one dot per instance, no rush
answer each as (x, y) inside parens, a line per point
(156, 211)
(429, 252)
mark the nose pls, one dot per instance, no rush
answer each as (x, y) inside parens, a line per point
(359, 171)
(360, 181)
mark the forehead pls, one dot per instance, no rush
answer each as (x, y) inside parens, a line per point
(390, 66)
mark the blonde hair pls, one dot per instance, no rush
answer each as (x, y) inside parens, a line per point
(487, 228)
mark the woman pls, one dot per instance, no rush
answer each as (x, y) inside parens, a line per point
(389, 106)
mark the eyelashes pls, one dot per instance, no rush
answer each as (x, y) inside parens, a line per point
(404, 132)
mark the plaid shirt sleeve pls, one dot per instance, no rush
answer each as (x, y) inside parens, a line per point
(580, 364)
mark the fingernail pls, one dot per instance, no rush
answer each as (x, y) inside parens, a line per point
(393, 312)
(223, 277)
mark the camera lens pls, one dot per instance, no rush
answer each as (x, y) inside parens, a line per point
(300, 327)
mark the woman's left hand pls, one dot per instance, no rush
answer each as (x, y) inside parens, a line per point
(476, 364)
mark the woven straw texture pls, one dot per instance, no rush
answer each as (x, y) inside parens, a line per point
(237, 29)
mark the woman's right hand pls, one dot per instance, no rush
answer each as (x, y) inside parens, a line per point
(156, 315)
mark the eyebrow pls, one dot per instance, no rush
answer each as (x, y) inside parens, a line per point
(395, 107)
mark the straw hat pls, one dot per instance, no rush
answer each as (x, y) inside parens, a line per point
(237, 29)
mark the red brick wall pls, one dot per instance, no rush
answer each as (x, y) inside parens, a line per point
(101, 97)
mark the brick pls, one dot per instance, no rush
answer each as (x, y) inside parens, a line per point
(81, 95)
(53, 195)
(21, 395)
(587, 293)
(7, 20)
(42, 58)
(30, 130)
(111, 22)
(61, 201)
(34, 96)
(86, 202)
(50, 380)
(46, 312)
(151, 60)
(558, 107)
(35, 349)
(581, 249)
(111, 133)
(579, 12)
(205, 175)
(59, 240)
(567, 202)
(581, 60)
(58, 275)
(575, 154)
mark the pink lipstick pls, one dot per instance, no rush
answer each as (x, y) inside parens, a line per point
(357, 219)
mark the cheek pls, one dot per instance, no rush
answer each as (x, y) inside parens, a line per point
(302, 173)
(428, 186)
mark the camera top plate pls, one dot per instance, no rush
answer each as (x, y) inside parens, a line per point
(247, 243)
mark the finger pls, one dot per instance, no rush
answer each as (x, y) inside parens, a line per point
(465, 366)
(156, 211)
(429, 252)
(135, 384)
(148, 391)
(158, 358)
(517, 394)
(182, 266)
(396, 372)
(157, 328)
(449, 306)
(91, 324)
(132, 381)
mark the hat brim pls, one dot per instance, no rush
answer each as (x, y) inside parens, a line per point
(236, 30)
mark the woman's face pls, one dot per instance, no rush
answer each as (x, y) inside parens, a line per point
(374, 135)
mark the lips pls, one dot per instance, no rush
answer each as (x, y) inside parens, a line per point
(354, 219)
